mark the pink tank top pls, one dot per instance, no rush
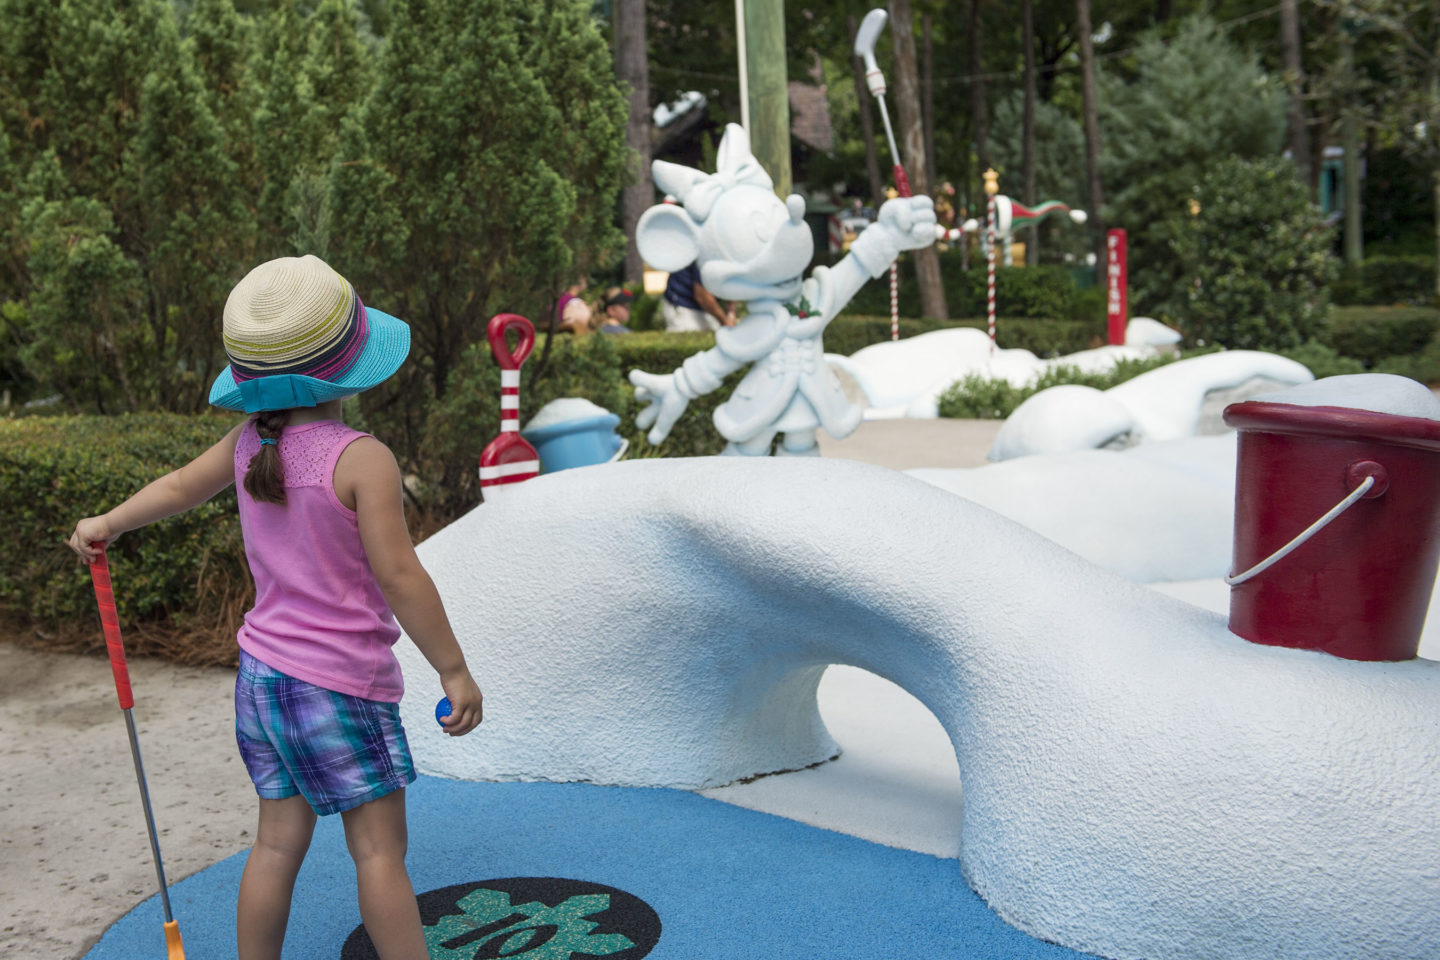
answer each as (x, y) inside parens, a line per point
(319, 615)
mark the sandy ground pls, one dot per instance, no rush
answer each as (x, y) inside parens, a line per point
(74, 855)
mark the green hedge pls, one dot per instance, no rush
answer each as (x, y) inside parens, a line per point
(184, 575)
(1034, 292)
(182, 584)
(1372, 334)
(1386, 281)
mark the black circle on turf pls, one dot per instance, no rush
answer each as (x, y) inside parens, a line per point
(514, 933)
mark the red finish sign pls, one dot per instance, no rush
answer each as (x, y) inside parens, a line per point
(1117, 278)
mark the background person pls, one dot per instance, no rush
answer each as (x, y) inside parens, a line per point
(616, 315)
(688, 306)
(572, 313)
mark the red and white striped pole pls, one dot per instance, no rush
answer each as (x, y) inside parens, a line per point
(509, 458)
(894, 299)
(992, 187)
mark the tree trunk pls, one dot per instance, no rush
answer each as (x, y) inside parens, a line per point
(979, 119)
(1354, 244)
(1296, 136)
(632, 66)
(1092, 132)
(1027, 126)
(867, 123)
(911, 141)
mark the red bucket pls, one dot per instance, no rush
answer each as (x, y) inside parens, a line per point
(1364, 486)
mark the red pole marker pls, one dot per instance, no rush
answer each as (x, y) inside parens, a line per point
(509, 458)
(110, 623)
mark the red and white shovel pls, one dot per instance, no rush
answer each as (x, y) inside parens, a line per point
(509, 458)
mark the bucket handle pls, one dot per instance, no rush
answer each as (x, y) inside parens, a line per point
(1369, 474)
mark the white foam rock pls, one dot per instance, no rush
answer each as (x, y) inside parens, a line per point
(1160, 512)
(1139, 782)
(1063, 418)
(1375, 392)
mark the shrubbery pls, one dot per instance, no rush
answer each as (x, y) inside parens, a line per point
(182, 582)
(1044, 292)
(1387, 280)
(1371, 334)
(1257, 259)
(980, 398)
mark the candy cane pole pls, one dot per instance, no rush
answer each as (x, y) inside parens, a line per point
(992, 187)
(509, 458)
(865, 39)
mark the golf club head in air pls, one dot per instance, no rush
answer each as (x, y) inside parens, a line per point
(865, 38)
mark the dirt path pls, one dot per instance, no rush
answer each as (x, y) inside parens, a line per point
(74, 855)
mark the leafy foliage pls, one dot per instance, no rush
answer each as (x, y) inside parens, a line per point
(1257, 258)
(1387, 280)
(185, 575)
(978, 397)
(1192, 101)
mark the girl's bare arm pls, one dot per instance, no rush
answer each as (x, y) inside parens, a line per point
(368, 478)
(177, 491)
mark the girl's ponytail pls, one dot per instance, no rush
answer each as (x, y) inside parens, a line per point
(265, 478)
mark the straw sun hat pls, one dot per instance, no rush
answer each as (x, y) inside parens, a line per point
(297, 336)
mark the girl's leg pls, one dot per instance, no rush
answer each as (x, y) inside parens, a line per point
(263, 909)
(375, 834)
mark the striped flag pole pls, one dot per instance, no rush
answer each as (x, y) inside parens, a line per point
(992, 187)
(894, 299)
(509, 458)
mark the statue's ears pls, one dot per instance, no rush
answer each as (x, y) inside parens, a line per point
(668, 239)
(674, 179)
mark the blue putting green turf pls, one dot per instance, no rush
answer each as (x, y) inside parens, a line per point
(723, 882)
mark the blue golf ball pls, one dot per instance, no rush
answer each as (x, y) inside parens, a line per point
(442, 709)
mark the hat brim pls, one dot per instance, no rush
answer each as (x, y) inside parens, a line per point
(387, 344)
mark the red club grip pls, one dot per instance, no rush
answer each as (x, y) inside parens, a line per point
(902, 182)
(110, 621)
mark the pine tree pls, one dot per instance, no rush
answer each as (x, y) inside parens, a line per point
(469, 186)
(196, 225)
(1194, 98)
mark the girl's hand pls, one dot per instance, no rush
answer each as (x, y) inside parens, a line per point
(467, 703)
(89, 533)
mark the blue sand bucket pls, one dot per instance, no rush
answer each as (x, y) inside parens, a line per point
(577, 443)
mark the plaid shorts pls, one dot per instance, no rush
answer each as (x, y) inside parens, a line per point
(336, 750)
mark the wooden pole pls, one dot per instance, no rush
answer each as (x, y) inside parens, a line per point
(767, 89)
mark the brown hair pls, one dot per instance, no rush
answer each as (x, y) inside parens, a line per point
(265, 478)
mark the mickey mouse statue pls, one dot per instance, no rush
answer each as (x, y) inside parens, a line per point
(752, 246)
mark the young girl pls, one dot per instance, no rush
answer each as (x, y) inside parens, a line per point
(317, 694)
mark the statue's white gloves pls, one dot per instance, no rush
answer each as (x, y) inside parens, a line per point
(904, 223)
(661, 393)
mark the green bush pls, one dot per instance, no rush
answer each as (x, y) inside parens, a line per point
(1423, 366)
(185, 575)
(977, 397)
(1045, 292)
(1322, 360)
(1257, 258)
(1387, 280)
(1371, 334)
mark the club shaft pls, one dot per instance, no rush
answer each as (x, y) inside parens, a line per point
(889, 131)
(149, 814)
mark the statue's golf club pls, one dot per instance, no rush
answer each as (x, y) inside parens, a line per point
(110, 621)
(865, 38)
